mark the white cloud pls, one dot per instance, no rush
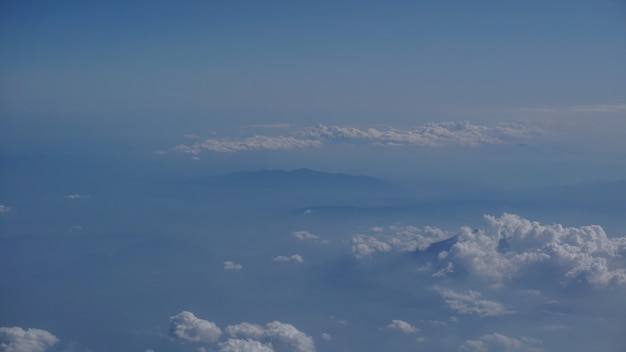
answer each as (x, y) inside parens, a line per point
(228, 265)
(247, 345)
(282, 337)
(76, 196)
(246, 330)
(499, 342)
(16, 339)
(402, 326)
(434, 134)
(326, 336)
(293, 258)
(364, 246)
(4, 208)
(510, 244)
(400, 238)
(274, 336)
(186, 327)
(251, 143)
(471, 303)
(286, 338)
(304, 235)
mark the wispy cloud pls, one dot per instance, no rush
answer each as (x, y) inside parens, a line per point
(4, 208)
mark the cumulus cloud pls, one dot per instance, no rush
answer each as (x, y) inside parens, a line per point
(511, 245)
(499, 342)
(304, 235)
(246, 330)
(280, 336)
(402, 326)
(247, 345)
(4, 208)
(16, 339)
(228, 265)
(398, 238)
(471, 303)
(76, 196)
(186, 327)
(248, 337)
(285, 337)
(293, 258)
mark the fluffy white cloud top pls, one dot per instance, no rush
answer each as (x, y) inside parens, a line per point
(16, 339)
(498, 342)
(247, 345)
(510, 245)
(403, 326)
(471, 303)
(186, 327)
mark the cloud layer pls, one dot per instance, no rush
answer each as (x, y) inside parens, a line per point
(437, 134)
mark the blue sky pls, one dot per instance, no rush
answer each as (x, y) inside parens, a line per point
(293, 60)
(301, 176)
